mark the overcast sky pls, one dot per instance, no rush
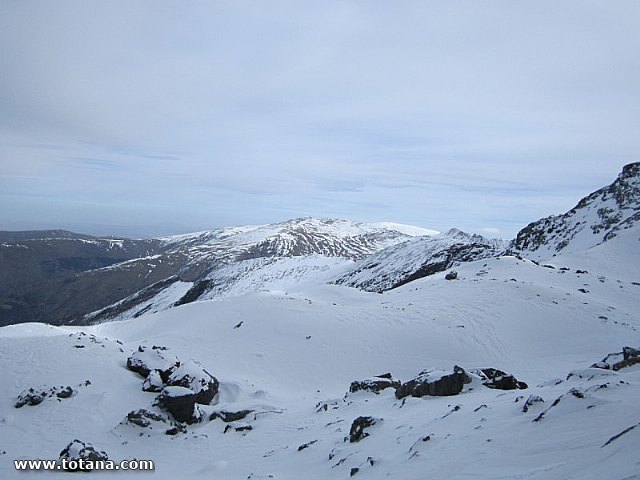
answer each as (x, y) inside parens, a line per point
(154, 117)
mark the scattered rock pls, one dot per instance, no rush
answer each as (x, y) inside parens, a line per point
(435, 383)
(77, 450)
(452, 275)
(35, 396)
(357, 431)
(374, 384)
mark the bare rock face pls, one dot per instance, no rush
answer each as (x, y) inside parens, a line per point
(77, 450)
(357, 431)
(615, 361)
(434, 383)
(180, 402)
(146, 359)
(193, 376)
(374, 384)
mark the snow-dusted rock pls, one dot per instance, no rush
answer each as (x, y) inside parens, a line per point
(146, 359)
(153, 382)
(193, 376)
(494, 378)
(143, 418)
(358, 426)
(35, 396)
(180, 402)
(435, 383)
(374, 384)
(77, 450)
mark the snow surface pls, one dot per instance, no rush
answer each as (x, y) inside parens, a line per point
(284, 356)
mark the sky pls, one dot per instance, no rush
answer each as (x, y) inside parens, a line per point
(155, 117)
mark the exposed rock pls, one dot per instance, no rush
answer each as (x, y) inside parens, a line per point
(153, 382)
(532, 401)
(357, 431)
(193, 376)
(452, 275)
(146, 359)
(494, 378)
(306, 445)
(180, 402)
(353, 471)
(35, 396)
(77, 450)
(144, 418)
(230, 416)
(615, 361)
(435, 383)
(374, 384)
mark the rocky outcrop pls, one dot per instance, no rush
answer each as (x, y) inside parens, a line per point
(374, 384)
(434, 383)
(615, 361)
(359, 425)
(494, 378)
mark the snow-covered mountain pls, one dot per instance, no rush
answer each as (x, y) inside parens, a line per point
(417, 258)
(518, 368)
(596, 219)
(237, 259)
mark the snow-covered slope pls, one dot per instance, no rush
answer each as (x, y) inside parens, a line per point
(290, 359)
(417, 258)
(234, 260)
(597, 218)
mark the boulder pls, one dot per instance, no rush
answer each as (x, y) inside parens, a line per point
(435, 383)
(615, 361)
(146, 359)
(357, 431)
(374, 384)
(494, 378)
(81, 451)
(452, 275)
(180, 402)
(193, 376)
(153, 382)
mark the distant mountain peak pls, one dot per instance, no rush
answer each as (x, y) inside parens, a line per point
(597, 218)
